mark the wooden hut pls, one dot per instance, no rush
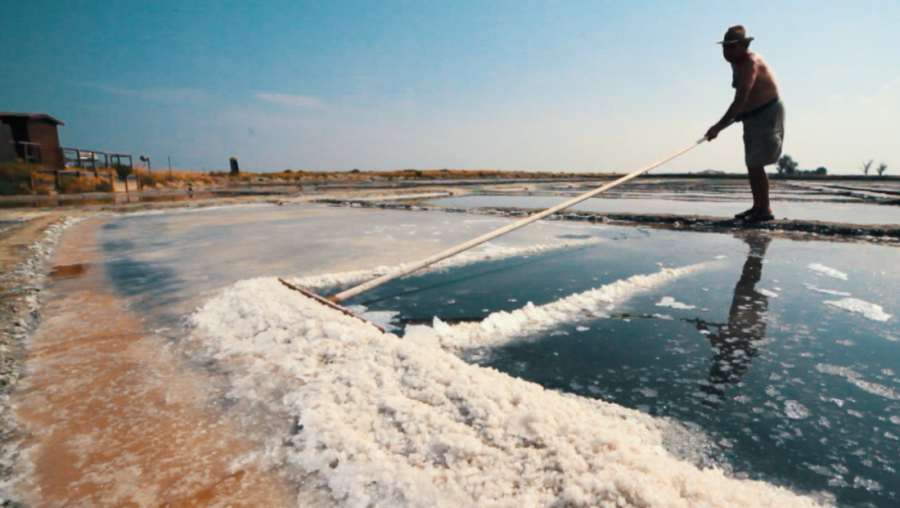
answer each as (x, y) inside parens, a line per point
(34, 138)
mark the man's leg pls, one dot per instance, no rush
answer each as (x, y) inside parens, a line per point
(754, 189)
(759, 186)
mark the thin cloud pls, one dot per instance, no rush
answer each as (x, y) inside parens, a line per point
(180, 96)
(295, 101)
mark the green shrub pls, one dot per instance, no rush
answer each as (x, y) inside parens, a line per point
(122, 170)
(103, 186)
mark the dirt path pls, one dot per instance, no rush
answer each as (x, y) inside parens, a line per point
(112, 416)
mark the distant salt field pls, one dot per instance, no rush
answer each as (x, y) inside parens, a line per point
(852, 213)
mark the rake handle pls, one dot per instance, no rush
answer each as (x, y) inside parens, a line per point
(362, 288)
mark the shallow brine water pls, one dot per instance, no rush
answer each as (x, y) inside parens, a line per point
(785, 352)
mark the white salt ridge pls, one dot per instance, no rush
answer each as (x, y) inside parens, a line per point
(487, 253)
(502, 327)
(390, 422)
(766, 292)
(826, 291)
(825, 270)
(668, 301)
(869, 310)
(856, 379)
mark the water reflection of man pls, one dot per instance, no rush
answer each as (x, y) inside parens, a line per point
(734, 343)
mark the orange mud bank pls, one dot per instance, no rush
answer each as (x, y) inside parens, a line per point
(110, 415)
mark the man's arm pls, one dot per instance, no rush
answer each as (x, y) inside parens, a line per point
(745, 77)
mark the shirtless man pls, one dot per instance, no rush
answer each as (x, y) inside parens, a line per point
(757, 105)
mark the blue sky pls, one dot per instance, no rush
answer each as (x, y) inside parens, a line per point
(517, 85)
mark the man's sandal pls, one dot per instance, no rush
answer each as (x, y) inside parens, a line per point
(759, 217)
(745, 213)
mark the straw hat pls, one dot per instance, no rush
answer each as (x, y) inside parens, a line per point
(735, 34)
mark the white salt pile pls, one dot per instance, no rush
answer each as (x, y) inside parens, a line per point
(824, 270)
(392, 422)
(501, 327)
(869, 310)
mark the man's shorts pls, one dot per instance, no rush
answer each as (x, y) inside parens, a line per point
(763, 134)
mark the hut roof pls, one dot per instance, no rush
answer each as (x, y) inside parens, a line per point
(32, 116)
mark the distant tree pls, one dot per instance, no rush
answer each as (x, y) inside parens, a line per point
(287, 171)
(354, 170)
(786, 164)
(821, 171)
(418, 174)
(881, 169)
(866, 165)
